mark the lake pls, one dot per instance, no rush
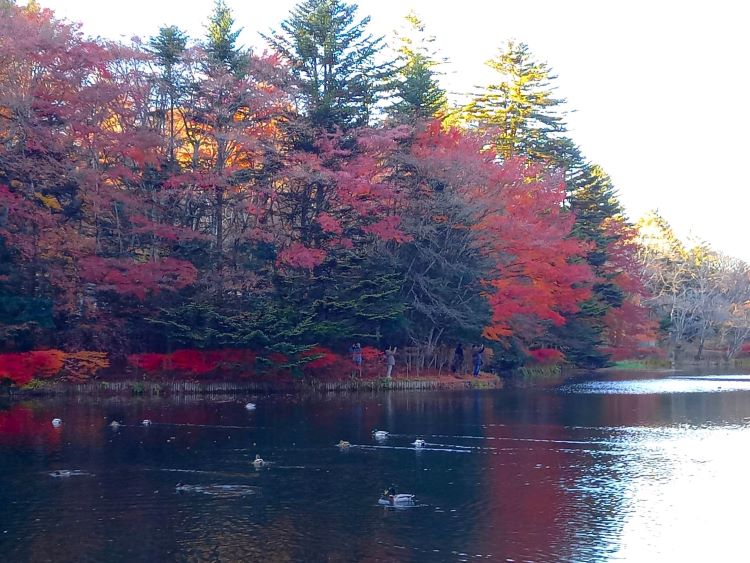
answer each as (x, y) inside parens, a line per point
(640, 467)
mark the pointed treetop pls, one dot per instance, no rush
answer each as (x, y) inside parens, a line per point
(221, 38)
(521, 106)
(168, 45)
(335, 60)
(416, 87)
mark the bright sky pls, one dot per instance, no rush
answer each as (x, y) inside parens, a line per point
(658, 86)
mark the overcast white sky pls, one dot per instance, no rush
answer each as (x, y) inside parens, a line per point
(658, 87)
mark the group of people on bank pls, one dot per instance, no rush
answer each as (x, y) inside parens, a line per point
(457, 363)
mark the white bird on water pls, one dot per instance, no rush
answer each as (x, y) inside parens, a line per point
(114, 425)
(250, 406)
(56, 422)
(258, 461)
(380, 434)
(146, 422)
(418, 443)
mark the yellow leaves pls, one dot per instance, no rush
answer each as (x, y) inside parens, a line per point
(48, 201)
(85, 364)
(112, 123)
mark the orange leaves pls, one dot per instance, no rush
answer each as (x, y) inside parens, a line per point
(496, 332)
(521, 228)
(83, 365)
(21, 367)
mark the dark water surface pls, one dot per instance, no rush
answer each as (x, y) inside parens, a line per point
(639, 468)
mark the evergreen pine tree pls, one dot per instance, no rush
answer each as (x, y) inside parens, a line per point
(522, 109)
(593, 200)
(334, 59)
(221, 38)
(527, 120)
(416, 88)
(167, 48)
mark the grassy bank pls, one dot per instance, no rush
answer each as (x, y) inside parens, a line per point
(159, 388)
(649, 364)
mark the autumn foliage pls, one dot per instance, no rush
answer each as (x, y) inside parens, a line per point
(204, 226)
(197, 362)
(546, 356)
(20, 368)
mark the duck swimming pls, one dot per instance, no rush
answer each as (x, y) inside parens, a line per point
(343, 444)
(114, 425)
(258, 461)
(391, 497)
(380, 434)
(250, 406)
(418, 443)
(146, 422)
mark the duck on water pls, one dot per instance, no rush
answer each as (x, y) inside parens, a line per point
(391, 497)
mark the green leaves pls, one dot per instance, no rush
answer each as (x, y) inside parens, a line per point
(334, 58)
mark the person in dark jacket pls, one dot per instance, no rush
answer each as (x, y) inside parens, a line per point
(458, 359)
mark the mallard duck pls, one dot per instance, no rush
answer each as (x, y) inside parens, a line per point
(258, 461)
(56, 422)
(343, 444)
(393, 498)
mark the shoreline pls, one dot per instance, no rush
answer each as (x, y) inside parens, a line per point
(137, 388)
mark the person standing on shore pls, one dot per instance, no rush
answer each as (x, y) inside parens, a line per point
(390, 360)
(458, 359)
(356, 351)
(476, 357)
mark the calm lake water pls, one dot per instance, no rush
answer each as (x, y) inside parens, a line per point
(637, 468)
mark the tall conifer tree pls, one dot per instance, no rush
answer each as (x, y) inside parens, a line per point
(521, 106)
(221, 38)
(167, 48)
(527, 120)
(417, 90)
(335, 60)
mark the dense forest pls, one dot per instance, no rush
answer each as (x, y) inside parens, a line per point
(186, 203)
